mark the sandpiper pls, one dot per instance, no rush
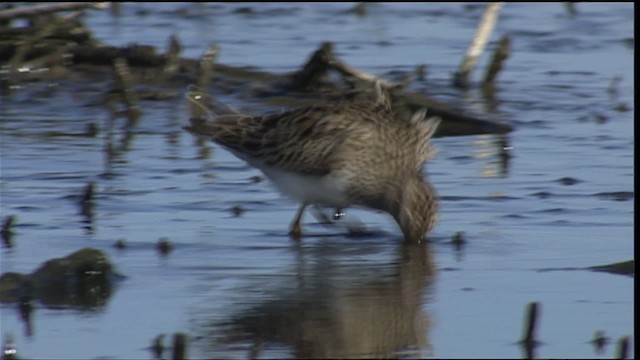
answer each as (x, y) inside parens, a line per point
(352, 153)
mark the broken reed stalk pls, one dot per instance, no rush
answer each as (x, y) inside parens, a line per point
(478, 43)
(623, 348)
(37, 10)
(532, 322)
(173, 56)
(7, 231)
(501, 54)
(86, 204)
(157, 347)
(179, 346)
(529, 341)
(206, 67)
(123, 78)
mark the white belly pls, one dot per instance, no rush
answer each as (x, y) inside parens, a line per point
(325, 190)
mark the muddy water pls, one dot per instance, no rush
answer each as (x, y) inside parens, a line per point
(237, 284)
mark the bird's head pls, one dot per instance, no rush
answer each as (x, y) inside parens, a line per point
(417, 208)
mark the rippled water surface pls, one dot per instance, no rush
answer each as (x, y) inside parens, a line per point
(240, 287)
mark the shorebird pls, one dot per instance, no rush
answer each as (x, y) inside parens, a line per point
(351, 153)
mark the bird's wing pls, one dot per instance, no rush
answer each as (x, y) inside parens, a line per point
(301, 140)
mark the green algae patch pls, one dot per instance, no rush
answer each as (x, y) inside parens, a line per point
(82, 279)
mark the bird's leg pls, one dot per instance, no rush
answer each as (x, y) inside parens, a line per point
(296, 231)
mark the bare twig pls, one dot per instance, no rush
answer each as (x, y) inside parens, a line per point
(37, 10)
(478, 43)
(179, 346)
(499, 56)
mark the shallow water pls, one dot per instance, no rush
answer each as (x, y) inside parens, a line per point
(240, 287)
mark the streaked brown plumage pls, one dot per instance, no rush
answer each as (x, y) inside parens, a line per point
(350, 153)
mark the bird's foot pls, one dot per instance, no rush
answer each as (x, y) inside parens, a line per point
(295, 232)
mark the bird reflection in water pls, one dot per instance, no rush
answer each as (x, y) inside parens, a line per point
(338, 308)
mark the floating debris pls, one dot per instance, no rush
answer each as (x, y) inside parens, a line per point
(616, 195)
(91, 129)
(458, 240)
(568, 181)
(621, 268)
(622, 107)
(164, 246)
(120, 244)
(244, 10)
(237, 210)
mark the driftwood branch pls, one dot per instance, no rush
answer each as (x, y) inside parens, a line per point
(308, 86)
(37, 10)
(455, 123)
(478, 43)
(314, 70)
(349, 71)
